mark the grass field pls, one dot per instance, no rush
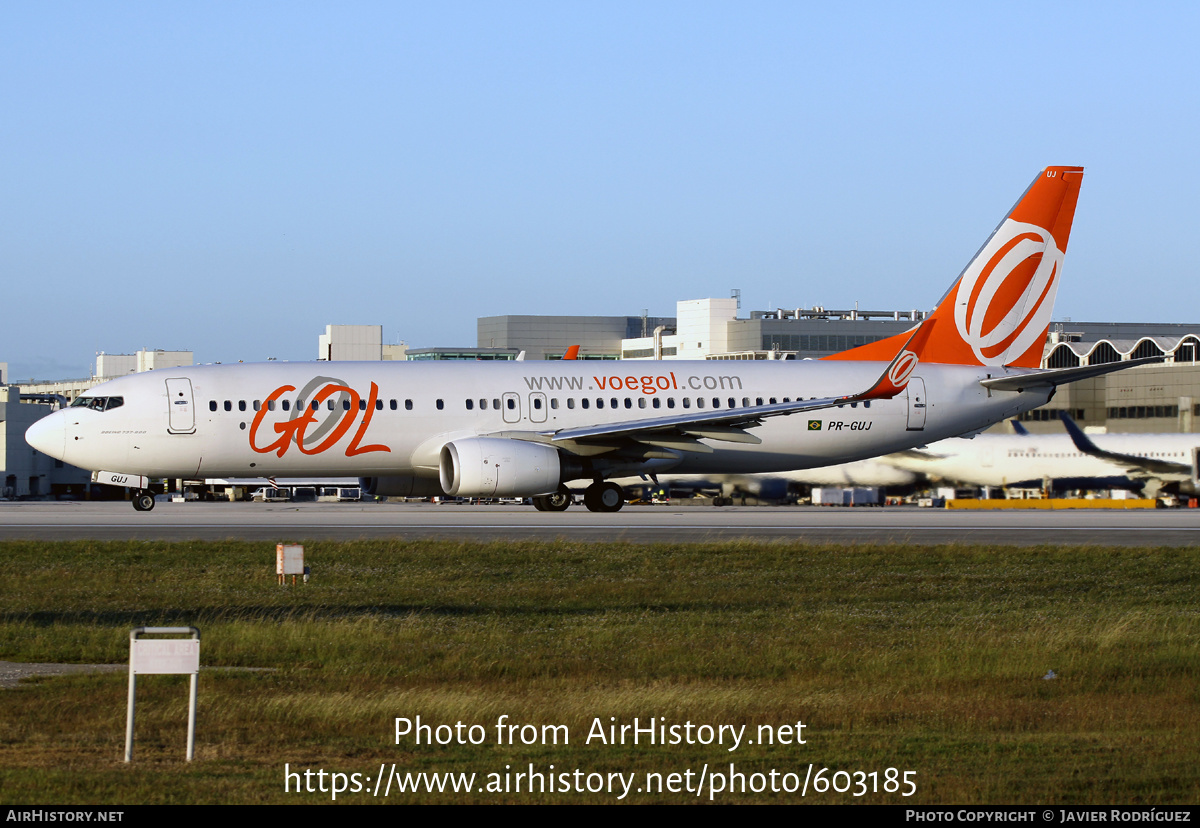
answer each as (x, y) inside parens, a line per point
(924, 659)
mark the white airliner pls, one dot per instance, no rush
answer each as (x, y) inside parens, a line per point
(1148, 463)
(526, 429)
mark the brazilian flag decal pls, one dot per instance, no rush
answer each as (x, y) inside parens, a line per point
(814, 425)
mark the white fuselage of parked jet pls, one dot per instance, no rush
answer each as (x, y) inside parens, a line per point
(993, 460)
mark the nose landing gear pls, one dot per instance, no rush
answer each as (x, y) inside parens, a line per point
(143, 500)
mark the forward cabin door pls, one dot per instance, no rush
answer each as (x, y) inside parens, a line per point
(181, 414)
(916, 404)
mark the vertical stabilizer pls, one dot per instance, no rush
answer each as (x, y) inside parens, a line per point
(999, 310)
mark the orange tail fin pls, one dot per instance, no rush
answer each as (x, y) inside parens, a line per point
(998, 311)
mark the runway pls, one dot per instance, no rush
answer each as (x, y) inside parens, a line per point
(51, 521)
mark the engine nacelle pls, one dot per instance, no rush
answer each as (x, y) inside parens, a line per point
(497, 467)
(400, 486)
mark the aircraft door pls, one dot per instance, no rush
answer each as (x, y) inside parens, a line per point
(537, 407)
(916, 404)
(511, 404)
(180, 409)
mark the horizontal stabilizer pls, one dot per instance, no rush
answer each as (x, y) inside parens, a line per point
(1055, 377)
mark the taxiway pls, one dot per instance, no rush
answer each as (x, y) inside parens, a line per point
(52, 521)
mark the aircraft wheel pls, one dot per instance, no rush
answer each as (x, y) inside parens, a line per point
(560, 501)
(539, 503)
(143, 501)
(604, 497)
(718, 501)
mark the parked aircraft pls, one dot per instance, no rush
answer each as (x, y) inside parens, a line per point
(1156, 461)
(525, 430)
(1147, 463)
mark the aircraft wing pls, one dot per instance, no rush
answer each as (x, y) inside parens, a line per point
(730, 424)
(1136, 466)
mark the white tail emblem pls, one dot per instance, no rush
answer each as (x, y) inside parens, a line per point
(905, 364)
(1026, 321)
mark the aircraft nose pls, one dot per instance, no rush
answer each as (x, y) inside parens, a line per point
(49, 435)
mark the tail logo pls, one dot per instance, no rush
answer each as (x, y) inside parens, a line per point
(902, 369)
(1005, 298)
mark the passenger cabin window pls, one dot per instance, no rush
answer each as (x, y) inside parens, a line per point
(408, 405)
(392, 405)
(470, 405)
(670, 402)
(241, 405)
(287, 404)
(440, 405)
(212, 404)
(228, 405)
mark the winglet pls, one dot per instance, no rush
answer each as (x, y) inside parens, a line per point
(895, 378)
(1081, 440)
(1020, 430)
(571, 353)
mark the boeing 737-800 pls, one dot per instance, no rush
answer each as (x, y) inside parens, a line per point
(505, 430)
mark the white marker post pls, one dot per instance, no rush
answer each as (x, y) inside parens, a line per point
(289, 560)
(172, 656)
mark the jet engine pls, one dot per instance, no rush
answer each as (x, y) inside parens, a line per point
(497, 467)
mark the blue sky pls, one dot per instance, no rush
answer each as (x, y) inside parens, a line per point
(231, 177)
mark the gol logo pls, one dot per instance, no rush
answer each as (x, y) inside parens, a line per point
(899, 373)
(1006, 295)
(326, 432)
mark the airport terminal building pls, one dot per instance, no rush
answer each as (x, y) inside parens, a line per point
(1156, 398)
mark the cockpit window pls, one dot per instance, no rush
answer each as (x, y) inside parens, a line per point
(98, 403)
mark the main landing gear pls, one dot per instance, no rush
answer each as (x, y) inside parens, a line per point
(557, 502)
(598, 497)
(603, 497)
(143, 500)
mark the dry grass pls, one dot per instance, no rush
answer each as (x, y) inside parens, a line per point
(929, 659)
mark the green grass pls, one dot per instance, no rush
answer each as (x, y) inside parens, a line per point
(918, 658)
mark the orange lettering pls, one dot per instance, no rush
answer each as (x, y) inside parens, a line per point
(295, 429)
(282, 443)
(353, 448)
(342, 427)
